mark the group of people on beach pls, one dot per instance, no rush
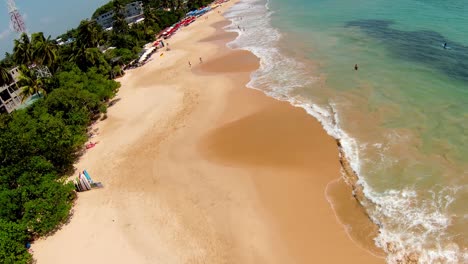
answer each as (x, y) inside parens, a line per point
(190, 64)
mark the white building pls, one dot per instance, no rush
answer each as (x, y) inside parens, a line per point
(132, 12)
(10, 98)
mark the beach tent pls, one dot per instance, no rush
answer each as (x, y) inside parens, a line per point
(146, 54)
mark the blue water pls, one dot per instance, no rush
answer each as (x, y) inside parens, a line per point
(402, 117)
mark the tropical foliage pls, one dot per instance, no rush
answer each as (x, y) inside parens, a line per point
(44, 51)
(39, 144)
(5, 76)
(30, 83)
(23, 50)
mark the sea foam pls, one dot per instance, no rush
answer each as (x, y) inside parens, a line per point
(409, 228)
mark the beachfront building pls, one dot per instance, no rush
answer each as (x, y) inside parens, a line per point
(10, 98)
(133, 12)
(61, 42)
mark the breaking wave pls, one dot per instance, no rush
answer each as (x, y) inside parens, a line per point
(411, 228)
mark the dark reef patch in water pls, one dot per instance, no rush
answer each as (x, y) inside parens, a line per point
(422, 46)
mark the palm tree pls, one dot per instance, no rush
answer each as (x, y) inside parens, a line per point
(8, 60)
(118, 6)
(88, 34)
(5, 76)
(45, 51)
(120, 24)
(175, 5)
(116, 72)
(86, 58)
(166, 3)
(30, 84)
(23, 50)
(92, 56)
(150, 16)
(78, 58)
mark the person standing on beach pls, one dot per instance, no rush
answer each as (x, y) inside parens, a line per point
(201, 61)
(190, 64)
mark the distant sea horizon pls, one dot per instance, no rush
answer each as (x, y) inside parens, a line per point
(401, 117)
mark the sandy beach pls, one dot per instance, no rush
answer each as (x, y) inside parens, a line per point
(197, 168)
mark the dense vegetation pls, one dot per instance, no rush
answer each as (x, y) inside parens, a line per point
(39, 144)
(108, 7)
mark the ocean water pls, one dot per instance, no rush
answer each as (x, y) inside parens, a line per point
(402, 117)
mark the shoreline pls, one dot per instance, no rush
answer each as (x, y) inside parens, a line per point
(190, 177)
(362, 230)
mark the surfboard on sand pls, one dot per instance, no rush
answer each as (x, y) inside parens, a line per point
(81, 187)
(77, 186)
(86, 183)
(88, 177)
(83, 183)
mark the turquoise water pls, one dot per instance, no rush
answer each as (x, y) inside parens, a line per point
(402, 118)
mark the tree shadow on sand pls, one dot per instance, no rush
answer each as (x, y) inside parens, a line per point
(422, 46)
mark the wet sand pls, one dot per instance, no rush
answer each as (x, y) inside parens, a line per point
(199, 169)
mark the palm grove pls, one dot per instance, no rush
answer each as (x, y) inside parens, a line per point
(39, 144)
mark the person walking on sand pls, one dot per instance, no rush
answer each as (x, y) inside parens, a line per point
(190, 64)
(356, 67)
(201, 61)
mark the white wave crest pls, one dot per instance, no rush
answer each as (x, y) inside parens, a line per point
(406, 223)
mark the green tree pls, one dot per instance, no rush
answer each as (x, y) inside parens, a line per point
(116, 71)
(44, 50)
(13, 238)
(50, 207)
(76, 106)
(91, 57)
(92, 81)
(23, 50)
(120, 25)
(88, 35)
(151, 21)
(39, 144)
(123, 55)
(195, 4)
(118, 6)
(5, 76)
(30, 84)
(8, 61)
